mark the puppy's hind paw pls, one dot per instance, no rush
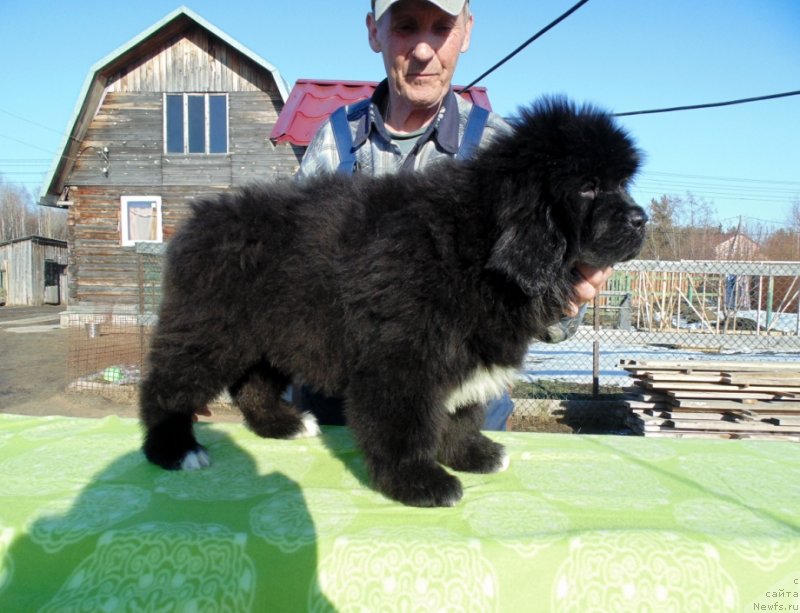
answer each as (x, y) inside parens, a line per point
(420, 485)
(505, 462)
(476, 455)
(196, 459)
(308, 426)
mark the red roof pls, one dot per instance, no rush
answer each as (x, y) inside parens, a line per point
(311, 101)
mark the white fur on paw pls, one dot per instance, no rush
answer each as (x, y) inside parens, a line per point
(505, 461)
(309, 426)
(195, 460)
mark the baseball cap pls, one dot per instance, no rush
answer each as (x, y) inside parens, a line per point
(454, 7)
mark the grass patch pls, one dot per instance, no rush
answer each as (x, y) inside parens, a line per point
(567, 390)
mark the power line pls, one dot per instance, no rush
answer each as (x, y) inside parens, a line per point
(22, 142)
(709, 105)
(33, 123)
(541, 32)
(737, 179)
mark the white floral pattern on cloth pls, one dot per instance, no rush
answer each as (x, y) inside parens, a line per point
(162, 567)
(577, 523)
(758, 538)
(55, 428)
(32, 473)
(587, 478)
(283, 520)
(766, 449)
(639, 447)
(403, 569)
(744, 482)
(6, 563)
(642, 571)
(523, 522)
(236, 472)
(67, 520)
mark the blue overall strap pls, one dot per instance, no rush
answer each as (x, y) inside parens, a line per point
(472, 132)
(344, 141)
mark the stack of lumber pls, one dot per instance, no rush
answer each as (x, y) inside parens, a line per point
(714, 399)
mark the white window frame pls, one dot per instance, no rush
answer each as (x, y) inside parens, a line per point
(155, 202)
(206, 119)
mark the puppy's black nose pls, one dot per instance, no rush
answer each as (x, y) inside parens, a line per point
(637, 217)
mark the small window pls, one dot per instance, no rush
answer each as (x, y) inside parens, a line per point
(196, 123)
(141, 220)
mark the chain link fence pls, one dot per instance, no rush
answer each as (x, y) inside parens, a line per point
(731, 310)
(677, 310)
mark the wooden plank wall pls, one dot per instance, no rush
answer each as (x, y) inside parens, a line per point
(129, 123)
(23, 262)
(194, 61)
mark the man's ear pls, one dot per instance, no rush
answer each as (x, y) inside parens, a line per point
(372, 32)
(528, 257)
(467, 33)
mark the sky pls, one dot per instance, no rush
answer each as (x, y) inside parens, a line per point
(621, 55)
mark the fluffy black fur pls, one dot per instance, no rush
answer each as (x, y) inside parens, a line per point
(390, 292)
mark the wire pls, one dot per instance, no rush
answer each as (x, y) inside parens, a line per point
(709, 105)
(736, 179)
(22, 142)
(541, 32)
(33, 123)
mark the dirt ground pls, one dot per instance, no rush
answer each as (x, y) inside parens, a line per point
(34, 375)
(34, 371)
(33, 368)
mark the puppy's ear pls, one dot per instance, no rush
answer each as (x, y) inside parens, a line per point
(528, 256)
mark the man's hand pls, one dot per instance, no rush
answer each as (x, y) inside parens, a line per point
(588, 282)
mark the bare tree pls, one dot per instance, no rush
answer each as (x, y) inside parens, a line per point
(20, 217)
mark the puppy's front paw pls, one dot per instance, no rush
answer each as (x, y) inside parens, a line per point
(478, 454)
(171, 444)
(419, 485)
(196, 459)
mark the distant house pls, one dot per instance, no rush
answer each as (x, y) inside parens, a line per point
(180, 111)
(737, 247)
(32, 270)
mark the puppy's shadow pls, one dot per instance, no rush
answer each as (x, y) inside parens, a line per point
(340, 443)
(141, 538)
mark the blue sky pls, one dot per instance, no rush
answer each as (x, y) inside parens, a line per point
(623, 55)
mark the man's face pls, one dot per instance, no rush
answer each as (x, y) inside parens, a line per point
(420, 44)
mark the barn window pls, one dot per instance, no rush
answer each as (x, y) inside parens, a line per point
(196, 123)
(141, 220)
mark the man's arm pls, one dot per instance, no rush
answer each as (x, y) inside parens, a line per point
(321, 156)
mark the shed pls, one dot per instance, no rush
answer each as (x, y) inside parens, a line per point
(180, 111)
(32, 271)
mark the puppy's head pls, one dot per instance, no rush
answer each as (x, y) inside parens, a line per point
(570, 167)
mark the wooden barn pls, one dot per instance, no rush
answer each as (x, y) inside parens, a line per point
(32, 271)
(180, 111)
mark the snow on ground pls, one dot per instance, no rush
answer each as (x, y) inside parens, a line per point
(572, 360)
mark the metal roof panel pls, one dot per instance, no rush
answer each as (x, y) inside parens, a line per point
(311, 101)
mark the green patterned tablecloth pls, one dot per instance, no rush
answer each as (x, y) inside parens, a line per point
(577, 523)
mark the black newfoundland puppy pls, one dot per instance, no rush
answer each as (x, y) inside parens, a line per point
(414, 297)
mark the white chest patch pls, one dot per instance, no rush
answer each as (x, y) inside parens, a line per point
(482, 385)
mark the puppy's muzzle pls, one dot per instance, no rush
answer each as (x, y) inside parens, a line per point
(636, 218)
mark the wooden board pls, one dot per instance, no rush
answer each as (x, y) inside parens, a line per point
(714, 399)
(776, 406)
(690, 366)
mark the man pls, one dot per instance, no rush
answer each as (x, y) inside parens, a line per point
(413, 119)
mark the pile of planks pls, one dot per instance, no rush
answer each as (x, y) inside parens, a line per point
(714, 399)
